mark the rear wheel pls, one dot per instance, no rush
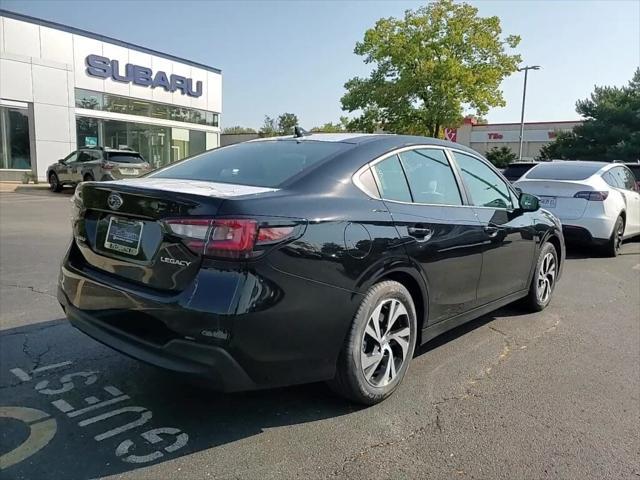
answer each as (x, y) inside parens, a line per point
(88, 177)
(544, 279)
(379, 347)
(612, 248)
(54, 182)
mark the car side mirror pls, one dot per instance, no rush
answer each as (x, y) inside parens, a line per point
(61, 161)
(529, 203)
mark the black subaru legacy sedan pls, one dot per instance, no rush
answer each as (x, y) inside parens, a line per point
(306, 258)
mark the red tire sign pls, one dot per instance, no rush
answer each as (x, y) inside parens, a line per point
(451, 134)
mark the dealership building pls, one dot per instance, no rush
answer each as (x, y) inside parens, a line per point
(62, 88)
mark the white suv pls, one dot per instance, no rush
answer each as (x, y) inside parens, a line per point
(596, 202)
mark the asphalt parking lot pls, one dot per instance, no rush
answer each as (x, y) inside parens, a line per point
(508, 396)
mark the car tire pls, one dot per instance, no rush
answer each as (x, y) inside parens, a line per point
(54, 182)
(88, 178)
(374, 360)
(612, 248)
(544, 279)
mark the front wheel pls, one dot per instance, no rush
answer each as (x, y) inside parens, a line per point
(544, 279)
(54, 182)
(613, 246)
(379, 346)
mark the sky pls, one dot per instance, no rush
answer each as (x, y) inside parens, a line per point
(295, 56)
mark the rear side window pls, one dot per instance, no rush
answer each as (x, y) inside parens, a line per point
(635, 169)
(117, 157)
(430, 177)
(612, 179)
(487, 189)
(261, 164)
(563, 171)
(391, 180)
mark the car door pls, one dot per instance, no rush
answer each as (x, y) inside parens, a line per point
(509, 236)
(440, 233)
(62, 169)
(630, 192)
(74, 168)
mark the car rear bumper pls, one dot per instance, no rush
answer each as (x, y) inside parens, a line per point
(596, 230)
(575, 234)
(250, 329)
(177, 355)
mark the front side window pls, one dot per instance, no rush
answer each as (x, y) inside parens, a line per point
(430, 177)
(392, 182)
(628, 179)
(487, 189)
(71, 157)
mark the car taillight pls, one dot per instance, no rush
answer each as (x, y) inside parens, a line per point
(225, 237)
(592, 196)
(106, 165)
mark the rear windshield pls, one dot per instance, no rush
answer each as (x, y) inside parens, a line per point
(564, 171)
(125, 157)
(261, 164)
(513, 172)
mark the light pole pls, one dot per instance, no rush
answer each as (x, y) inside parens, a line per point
(524, 96)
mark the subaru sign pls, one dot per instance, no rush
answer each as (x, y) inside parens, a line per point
(102, 67)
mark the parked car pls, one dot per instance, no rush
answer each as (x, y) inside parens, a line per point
(598, 203)
(307, 258)
(95, 163)
(515, 170)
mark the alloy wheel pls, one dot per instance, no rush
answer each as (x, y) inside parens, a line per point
(385, 342)
(546, 277)
(619, 235)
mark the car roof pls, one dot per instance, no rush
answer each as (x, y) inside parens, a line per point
(110, 150)
(389, 139)
(515, 164)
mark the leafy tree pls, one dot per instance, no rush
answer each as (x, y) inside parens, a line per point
(341, 126)
(429, 67)
(286, 122)
(611, 129)
(269, 127)
(238, 129)
(501, 156)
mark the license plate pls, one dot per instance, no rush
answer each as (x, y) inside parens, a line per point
(129, 171)
(124, 236)
(547, 202)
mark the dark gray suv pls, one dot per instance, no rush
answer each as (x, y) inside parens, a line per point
(96, 163)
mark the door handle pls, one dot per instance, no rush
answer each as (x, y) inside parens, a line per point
(491, 231)
(421, 233)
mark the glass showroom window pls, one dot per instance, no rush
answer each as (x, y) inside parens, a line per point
(15, 148)
(133, 106)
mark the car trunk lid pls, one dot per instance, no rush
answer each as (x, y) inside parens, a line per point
(124, 227)
(558, 196)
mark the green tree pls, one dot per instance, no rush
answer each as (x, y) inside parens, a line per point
(501, 156)
(611, 127)
(330, 127)
(286, 122)
(238, 129)
(269, 127)
(429, 67)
